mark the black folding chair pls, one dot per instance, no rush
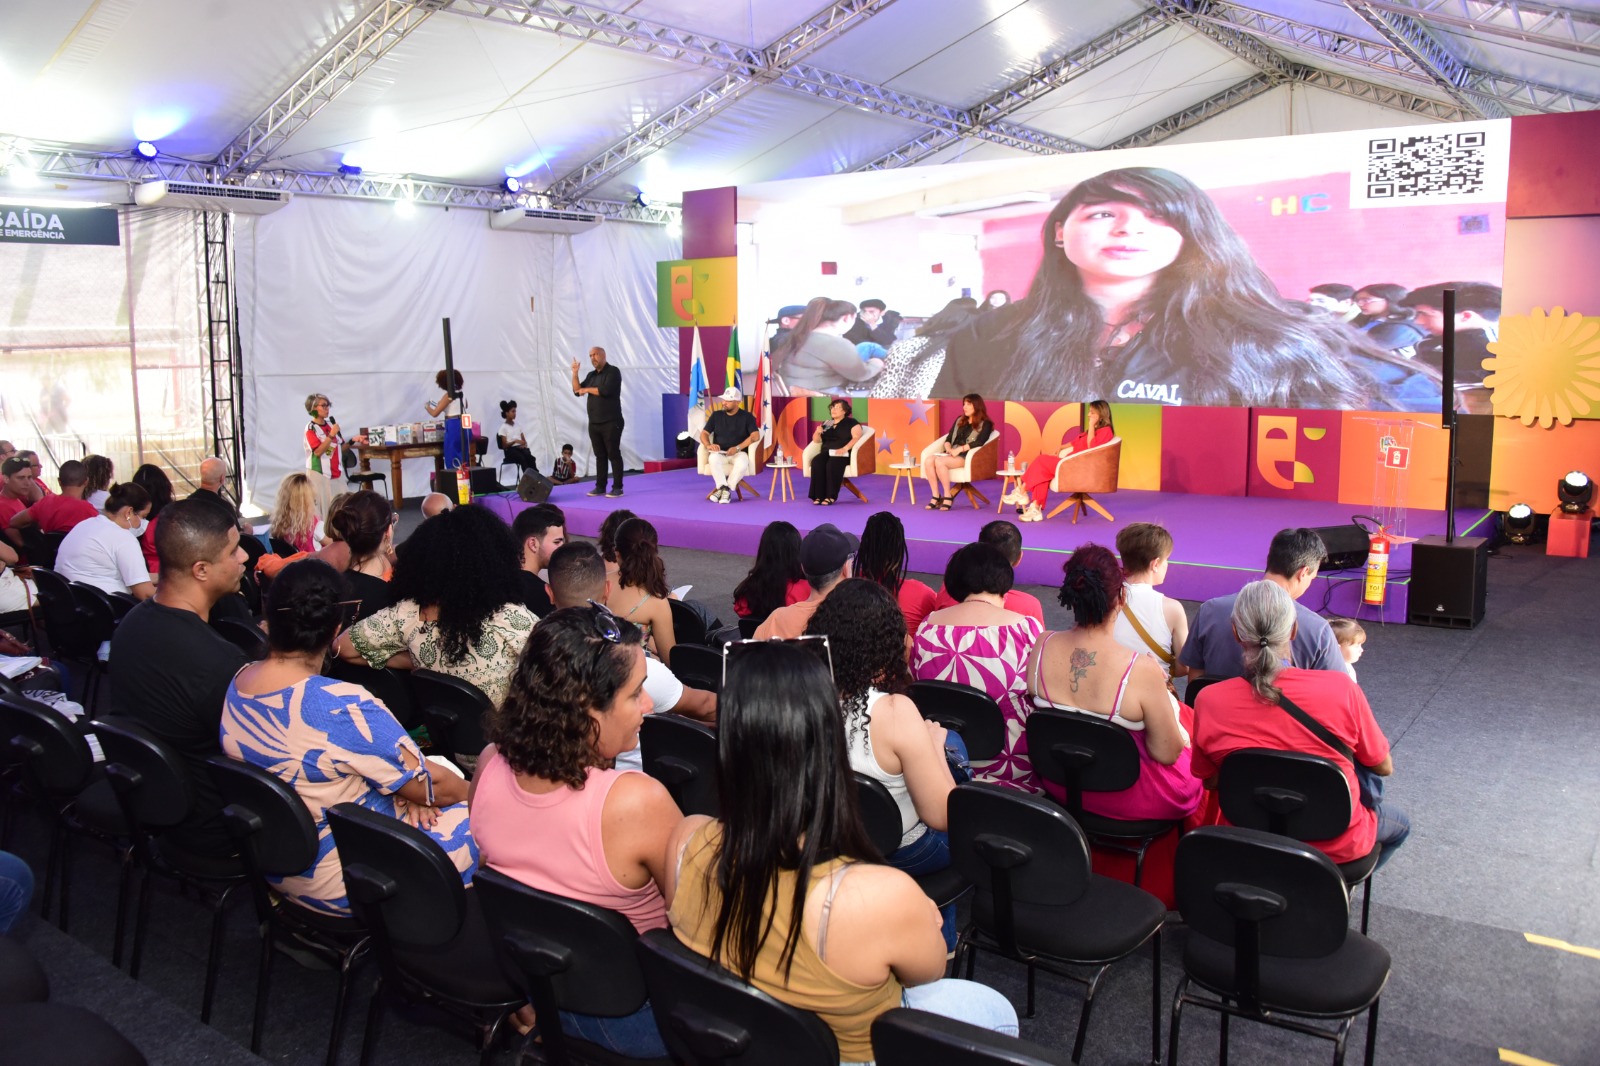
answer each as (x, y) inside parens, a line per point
(688, 625)
(965, 710)
(697, 666)
(881, 815)
(682, 755)
(1269, 936)
(247, 638)
(353, 474)
(453, 710)
(902, 1037)
(74, 636)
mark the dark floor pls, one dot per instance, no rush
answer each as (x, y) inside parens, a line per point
(1494, 733)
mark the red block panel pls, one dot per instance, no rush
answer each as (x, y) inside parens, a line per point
(1205, 450)
(1294, 454)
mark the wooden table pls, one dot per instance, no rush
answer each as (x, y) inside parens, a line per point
(905, 472)
(1010, 480)
(396, 454)
(782, 479)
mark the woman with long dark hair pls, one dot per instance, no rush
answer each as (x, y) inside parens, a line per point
(550, 809)
(457, 605)
(101, 472)
(819, 360)
(1029, 496)
(760, 890)
(883, 559)
(365, 522)
(912, 363)
(640, 593)
(154, 481)
(971, 430)
(1145, 293)
(607, 541)
(775, 578)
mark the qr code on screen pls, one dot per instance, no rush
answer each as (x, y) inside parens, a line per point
(1432, 164)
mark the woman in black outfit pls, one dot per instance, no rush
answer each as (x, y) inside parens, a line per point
(365, 522)
(836, 436)
(971, 430)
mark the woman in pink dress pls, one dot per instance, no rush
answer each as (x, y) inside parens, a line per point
(980, 643)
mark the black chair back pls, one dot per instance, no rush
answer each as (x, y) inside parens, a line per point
(1289, 793)
(688, 626)
(965, 710)
(708, 1017)
(879, 813)
(244, 636)
(147, 775)
(40, 547)
(1082, 754)
(748, 627)
(697, 666)
(401, 883)
(390, 687)
(682, 755)
(1197, 685)
(281, 547)
(268, 818)
(904, 1037)
(453, 711)
(72, 635)
(55, 758)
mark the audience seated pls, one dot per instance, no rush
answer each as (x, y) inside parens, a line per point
(153, 480)
(640, 593)
(1006, 536)
(457, 605)
(826, 556)
(364, 523)
(436, 503)
(883, 559)
(981, 643)
(1149, 622)
(548, 809)
(15, 593)
(295, 520)
(1248, 712)
(1292, 564)
(59, 512)
(607, 542)
(101, 473)
(775, 579)
(332, 741)
(104, 551)
(786, 879)
(1088, 671)
(17, 492)
(169, 670)
(538, 530)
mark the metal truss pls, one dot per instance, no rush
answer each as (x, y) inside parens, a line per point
(345, 59)
(1241, 44)
(1543, 24)
(1192, 116)
(1383, 95)
(594, 25)
(1429, 54)
(62, 161)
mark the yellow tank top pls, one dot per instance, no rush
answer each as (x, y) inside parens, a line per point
(847, 1008)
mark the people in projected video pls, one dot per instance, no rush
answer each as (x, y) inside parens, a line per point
(816, 359)
(1145, 294)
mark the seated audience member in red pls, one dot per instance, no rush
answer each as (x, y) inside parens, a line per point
(549, 809)
(1249, 712)
(1029, 499)
(775, 578)
(153, 480)
(883, 559)
(1008, 538)
(59, 511)
(826, 556)
(17, 490)
(170, 670)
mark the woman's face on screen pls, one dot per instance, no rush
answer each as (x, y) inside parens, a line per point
(1117, 241)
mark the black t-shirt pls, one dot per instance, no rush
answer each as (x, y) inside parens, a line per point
(606, 407)
(373, 592)
(728, 431)
(170, 672)
(534, 595)
(838, 435)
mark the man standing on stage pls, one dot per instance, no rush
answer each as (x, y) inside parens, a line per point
(603, 386)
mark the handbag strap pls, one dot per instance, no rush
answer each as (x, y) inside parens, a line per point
(1318, 730)
(1144, 635)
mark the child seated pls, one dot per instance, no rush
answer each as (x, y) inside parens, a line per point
(1351, 637)
(566, 468)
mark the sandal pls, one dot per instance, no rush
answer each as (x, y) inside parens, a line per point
(933, 504)
(946, 502)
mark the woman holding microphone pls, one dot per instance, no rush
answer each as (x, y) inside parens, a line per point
(324, 449)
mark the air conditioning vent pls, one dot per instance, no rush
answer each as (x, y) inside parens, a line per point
(544, 220)
(197, 197)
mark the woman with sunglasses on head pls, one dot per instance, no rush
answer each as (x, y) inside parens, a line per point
(333, 741)
(785, 889)
(550, 809)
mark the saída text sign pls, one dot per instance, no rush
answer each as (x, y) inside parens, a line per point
(58, 225)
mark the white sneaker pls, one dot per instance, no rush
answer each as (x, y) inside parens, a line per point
(1034, 513)
(1016, 498)
(722, 495)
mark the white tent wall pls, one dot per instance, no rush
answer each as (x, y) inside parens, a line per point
(346, 297)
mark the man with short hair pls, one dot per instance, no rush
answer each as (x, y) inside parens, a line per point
(40, 489)
(435, 503)
(875, 323)
(538, 530)
(16, 488)
(1008, 538)
(729, 431)
(1292, 561)
(169, 670)
(603, 387)
(827, 555)
(1477, 323)
(1334, 299)
(59, 512)
(578, 575)
(787, 318)
(7, 450)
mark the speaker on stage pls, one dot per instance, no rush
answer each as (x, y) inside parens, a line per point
(534, 487)
(1347, 546)
(1449, 582)
(484, 481)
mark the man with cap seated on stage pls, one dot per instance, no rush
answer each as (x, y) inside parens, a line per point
(729, 431)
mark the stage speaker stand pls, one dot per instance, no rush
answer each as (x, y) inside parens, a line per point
(484, 481)
(1347, 546)
(1449, 582)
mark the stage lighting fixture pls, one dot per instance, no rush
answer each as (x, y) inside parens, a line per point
(511, 185)
(145, 150)
(350, 170)
(1519, 523)
(405, 207)
(1576, 492)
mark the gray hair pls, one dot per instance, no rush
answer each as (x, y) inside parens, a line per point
(313, 400)
(1263, 620)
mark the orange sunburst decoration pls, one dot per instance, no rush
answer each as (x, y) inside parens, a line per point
(1546, 368)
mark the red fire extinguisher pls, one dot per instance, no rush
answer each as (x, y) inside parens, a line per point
(1377, 569)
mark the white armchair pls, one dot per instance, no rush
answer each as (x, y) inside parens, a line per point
(863, 460)
(981, 464)
(703, 465)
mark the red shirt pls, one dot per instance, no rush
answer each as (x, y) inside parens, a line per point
(1228, 717)
(10, 507)
(799, 589)
(1016, 600)
(58, 514)
(916, 603)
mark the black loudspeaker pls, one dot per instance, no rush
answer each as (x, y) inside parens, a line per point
(1449, 582)
(1347, 546)
(484, 481)
(534, 487)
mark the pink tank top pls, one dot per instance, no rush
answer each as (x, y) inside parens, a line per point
(552, 841)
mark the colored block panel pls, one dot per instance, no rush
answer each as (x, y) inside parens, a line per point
(697, 292)
(1034, 429)
(1569, 534)
(1419, 484)
(1528, 461)
(674, 420)
(1139, 426)
(1294, 454)
(710, 223)
(902, 424)
(1205, 450)
(791, 425)
(1546, 177)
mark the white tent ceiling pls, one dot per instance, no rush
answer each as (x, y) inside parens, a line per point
(465, 91)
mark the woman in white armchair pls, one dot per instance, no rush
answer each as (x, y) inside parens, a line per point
(971, 430)
(1029, 499)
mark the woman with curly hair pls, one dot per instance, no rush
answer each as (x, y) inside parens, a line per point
(550, 809)
(294, 513)
(607, 542)
(887, 738)
(101, 473)
(640, 593)
(883, 559)
(457, 606)
(154, 481)
(775, 578)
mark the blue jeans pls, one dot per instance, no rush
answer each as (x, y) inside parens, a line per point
(1393, 828)
(16, 889)
(634, 1035)
(965, 1001)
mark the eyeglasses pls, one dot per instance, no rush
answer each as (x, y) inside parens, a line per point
(816, 644)
(606, 626)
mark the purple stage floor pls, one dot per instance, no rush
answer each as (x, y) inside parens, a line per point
(1220, 542)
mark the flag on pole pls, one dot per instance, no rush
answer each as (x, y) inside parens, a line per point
(697, 372)
(734, 371)
(761, 399)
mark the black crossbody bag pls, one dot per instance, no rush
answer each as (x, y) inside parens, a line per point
(1370, 783)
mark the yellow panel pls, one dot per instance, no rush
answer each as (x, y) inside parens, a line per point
(1139, 426)
(1528, 461)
